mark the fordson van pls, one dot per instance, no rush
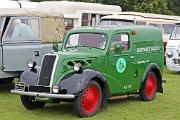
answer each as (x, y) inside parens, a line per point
(173, 50)
(95, 64)
(26, 35)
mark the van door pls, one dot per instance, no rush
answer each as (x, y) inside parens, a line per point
(21, 42)
(120, 65)
(1, 30)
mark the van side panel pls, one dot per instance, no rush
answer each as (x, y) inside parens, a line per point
(148, 48)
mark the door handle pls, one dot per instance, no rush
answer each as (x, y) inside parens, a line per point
(36, 53)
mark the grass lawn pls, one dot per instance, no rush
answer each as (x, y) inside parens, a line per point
(165, 106)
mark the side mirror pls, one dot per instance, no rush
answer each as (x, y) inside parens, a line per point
(118, 48)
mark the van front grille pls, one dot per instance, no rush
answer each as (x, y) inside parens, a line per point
(46, 70)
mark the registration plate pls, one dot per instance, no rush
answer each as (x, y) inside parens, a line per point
(20, 86)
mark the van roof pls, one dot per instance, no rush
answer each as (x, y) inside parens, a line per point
(65, 6)
(30, 12)
(114, 28)
(145, 32)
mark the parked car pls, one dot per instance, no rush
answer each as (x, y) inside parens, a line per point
(173, 50)
(26, 35)
(96, 63)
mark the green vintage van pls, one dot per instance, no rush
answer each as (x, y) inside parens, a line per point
(96, 64)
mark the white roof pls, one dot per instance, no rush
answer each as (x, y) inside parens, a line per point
(72, 7)
(30, 12)
(123, 17)
(9, 4)
(25, 4)
(152, 15)
(143, 16)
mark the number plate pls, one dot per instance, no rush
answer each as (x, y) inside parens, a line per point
(20, 86)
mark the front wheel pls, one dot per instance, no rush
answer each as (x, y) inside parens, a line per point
(88, 102)
(149, 87)
(31, 103)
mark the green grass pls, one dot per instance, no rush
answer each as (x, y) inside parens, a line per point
(165, 106)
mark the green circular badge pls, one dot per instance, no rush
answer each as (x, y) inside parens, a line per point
(121, 65)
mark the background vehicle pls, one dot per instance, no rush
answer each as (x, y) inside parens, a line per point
(165, 23)
(26, 35)
(173, 50)
(79, 14)
(96, 63)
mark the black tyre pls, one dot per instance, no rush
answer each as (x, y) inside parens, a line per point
(30, 103)
(149, 87)
(88, 102)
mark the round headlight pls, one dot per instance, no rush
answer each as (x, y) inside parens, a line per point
(55, 89)
(77, 66)
(169, 54)
(31, 64)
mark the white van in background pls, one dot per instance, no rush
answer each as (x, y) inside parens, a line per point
(173, 50)
(78, 14)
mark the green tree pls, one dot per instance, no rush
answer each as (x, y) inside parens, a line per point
(174, 6)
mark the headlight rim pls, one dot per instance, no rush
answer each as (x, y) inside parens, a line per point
(31, 64)
(55, 87)
(77, 66)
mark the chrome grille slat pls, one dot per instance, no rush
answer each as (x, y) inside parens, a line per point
(46, 70)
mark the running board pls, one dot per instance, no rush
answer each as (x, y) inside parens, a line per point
(122, 97)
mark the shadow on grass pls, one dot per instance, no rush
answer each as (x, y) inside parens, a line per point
(58, 110)
(6, 87)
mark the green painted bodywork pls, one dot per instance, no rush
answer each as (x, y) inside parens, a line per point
(145, 48)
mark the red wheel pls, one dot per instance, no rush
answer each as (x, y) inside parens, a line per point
(89, 101)
(148, 91)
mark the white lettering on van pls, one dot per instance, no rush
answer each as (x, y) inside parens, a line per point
(148, 49)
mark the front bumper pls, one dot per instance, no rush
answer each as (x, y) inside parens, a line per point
(47, 95)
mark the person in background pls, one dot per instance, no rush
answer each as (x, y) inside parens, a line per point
(21, 30)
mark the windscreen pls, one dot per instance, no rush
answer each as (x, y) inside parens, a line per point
(118, 22)
(176, 33)
(92, 40)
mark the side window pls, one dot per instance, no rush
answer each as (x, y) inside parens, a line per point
(69, 23)
(122, 39)
(140, 23)
(22, 29)
(155, 25)
(85, 19)
(167, 28)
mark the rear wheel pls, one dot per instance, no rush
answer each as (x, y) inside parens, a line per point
(88, 102)
(31, 103)
(148, 90)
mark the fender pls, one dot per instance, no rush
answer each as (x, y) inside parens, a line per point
(30, 76)
(155, 68)
(76, 82)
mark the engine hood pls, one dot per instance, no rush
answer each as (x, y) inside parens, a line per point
(88, 57)
(80, 53)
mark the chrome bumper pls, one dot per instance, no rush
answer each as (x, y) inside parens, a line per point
(36, 94)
